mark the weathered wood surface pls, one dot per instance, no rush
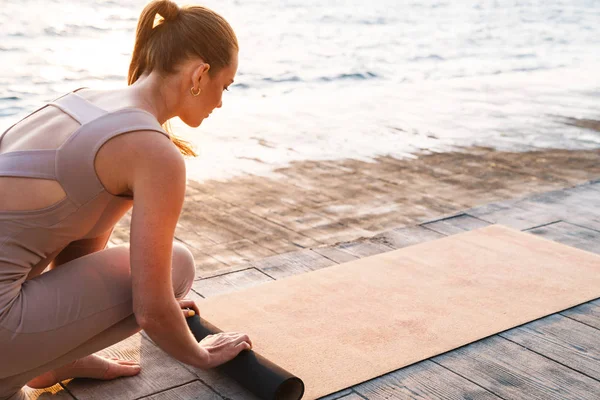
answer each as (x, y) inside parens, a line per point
(403, 237)
(191, 391)
(362, 249)
(424, 380)
(563, 340)
(457, 224)
(514, 372)
(230, 282)
(556, 357)
(588, 313)
(297, 262)
(334, 254)
(158, 372)
(571, 235)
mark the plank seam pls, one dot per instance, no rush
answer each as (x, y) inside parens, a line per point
(359, 256)
(177, 386)
(223, 274)
(264, 273)
(576, 320)
(467, 379)
(433, 230)
(355, 392)
(581, 226)
(460, 214)
(67, 390)
(542, 225)
(192, 289)
(477, 218)
(323, 255)
(549, 358)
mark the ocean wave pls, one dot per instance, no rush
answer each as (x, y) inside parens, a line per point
(8, 111)
(339, 77)
(15, 49)
(276, 80)
(430, 57)
(356, 76)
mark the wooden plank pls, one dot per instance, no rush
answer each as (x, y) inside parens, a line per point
(588, 313)
(222, 384)
(586, 222)
(334, 254)
(513, 372)
(192, 238)
(580, 203)
(561, 339)
(276, 245)
(457, 224)
(205, 264)
(583, 199)
(335, 232)
(571, 235)
(346, 394)
(292, 263)
(225, 270)
(249, 225)
(425, 380)
(363, 249)
(238, 252)
(230, 282)
(193, 390)
(403, 237)
(159, 372)
(194, 221)
(518, 216)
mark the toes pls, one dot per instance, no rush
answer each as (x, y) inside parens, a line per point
(118, 370)
(128, 370)
(126, 362)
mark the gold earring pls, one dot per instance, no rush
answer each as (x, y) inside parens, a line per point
(192, 91)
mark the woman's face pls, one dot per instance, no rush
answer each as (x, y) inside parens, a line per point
(196, 108)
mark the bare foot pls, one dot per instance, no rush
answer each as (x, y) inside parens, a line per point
(92, 366)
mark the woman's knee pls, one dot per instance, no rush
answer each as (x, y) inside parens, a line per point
(184, 269)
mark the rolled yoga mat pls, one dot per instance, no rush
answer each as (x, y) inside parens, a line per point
(260, 376)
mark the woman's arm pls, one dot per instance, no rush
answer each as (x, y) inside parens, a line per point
(157, 180)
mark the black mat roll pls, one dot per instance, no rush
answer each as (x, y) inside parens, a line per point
(252, 371)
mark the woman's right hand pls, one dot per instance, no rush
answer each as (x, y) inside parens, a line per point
(225, 346)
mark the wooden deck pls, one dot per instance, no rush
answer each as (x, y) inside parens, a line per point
(556, 357)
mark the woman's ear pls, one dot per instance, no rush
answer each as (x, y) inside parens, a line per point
(200, 72)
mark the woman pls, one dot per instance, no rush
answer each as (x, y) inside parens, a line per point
(68, 173)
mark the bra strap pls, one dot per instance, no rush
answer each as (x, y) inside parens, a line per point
(29, 164)
(82, 110)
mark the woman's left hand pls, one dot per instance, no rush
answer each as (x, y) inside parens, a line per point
(188, 307)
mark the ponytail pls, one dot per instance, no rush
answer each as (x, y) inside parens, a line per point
(166, 35)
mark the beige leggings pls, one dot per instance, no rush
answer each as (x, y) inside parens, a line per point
(74, 310)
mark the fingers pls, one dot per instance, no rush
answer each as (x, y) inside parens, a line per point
(188, 313)
(243, 338)
(191, 305)
(243, 346)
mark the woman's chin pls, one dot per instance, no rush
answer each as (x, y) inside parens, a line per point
(195, 124)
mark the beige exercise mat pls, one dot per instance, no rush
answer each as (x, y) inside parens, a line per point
(345, 324)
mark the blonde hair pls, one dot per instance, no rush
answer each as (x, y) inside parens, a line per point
(166, 35)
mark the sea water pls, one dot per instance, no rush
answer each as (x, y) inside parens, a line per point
(338, 79)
